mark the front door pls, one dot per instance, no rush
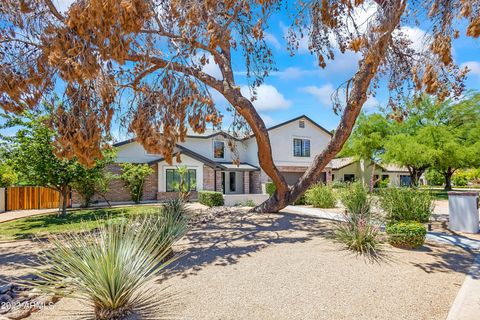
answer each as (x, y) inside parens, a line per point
(223, 182)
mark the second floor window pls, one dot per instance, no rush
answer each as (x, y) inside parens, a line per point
(301, 147)
(219, 149)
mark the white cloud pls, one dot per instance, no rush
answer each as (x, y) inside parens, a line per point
(371, 104)
(267, 98)
(267, 120)
(270, 38)
(294, 73)
(323, 93)
(324, 96)
(211, 67)
(420, 39)
(473, 66)
(63, 5)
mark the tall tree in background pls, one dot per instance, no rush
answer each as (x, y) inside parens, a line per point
(367, 141)
(152, 52)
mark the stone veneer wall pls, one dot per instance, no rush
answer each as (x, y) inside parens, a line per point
(117, 191)
(246, 182)
(255, 182)
(208, 178)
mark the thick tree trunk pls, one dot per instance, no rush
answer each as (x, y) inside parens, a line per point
(63, 205)
(448, 178)
(357, 95)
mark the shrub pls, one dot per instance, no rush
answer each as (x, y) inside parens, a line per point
(405, 204)
(270, 188)
(133, 175)
(339, 184)
(434, 178)
(356, 200)
(108, 268)
(410, 234)
(300, 201)
(358, 234)
(460, 178)
(246, 203)
(320, 196)
(210, 198)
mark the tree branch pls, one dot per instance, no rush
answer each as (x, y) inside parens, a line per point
(54, 10)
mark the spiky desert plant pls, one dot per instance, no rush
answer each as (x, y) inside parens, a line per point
(110, 268)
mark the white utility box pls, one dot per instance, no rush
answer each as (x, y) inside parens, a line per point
(463, 211)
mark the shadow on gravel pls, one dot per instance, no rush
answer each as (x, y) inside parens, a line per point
(447, 259)
(227, 239)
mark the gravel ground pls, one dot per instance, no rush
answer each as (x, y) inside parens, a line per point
(282, 266)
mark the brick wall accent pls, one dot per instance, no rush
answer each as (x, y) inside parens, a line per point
(218, 181)
(208, 178)
(255, 182)
(117, 191)
(246, 182)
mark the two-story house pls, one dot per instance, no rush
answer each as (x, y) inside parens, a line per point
(210, 161)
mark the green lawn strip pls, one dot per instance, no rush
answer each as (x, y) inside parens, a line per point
(79, 220)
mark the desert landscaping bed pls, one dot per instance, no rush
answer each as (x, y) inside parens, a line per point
(284, 266)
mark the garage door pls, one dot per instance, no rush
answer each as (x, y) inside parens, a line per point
(292, 177)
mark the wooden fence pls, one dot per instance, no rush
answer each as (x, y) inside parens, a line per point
(25, 198)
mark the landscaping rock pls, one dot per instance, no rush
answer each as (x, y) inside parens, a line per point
(6, 288)
(19, 314)
(4, 298)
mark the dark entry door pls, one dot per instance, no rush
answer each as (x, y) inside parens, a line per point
(223, 182)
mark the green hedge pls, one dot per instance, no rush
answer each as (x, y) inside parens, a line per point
(210, 198)
(270, 188)
(410, 234)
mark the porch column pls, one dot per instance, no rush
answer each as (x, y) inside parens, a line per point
(328, 176)
(218, 181)
(246, 182)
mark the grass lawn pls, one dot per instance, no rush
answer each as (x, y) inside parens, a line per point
(86, 219)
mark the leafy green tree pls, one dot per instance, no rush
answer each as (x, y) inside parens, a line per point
(8, 176)
(134, 175)
(409, 151)
(367, 140)
(34, 158)
(95, 180)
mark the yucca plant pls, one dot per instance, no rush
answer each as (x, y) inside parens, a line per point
(110, 267)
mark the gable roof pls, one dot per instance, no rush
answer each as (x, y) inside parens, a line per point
(339, 163)
(298, 118)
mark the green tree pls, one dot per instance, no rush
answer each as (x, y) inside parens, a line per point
(134, 175)
(95, 180)
(409, 151)
(367, 140)
(34, 158)
(8, 176)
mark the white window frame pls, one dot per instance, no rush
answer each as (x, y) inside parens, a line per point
(302, 138)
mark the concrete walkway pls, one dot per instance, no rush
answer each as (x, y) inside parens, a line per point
(466, 305)
(18, 214)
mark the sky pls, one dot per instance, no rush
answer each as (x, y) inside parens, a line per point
(301, 87)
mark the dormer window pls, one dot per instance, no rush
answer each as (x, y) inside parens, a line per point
(301, 123)
(218, 149)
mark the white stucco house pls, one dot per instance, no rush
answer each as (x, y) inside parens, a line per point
(211, 166)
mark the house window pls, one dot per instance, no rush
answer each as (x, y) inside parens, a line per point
(173, 179)
(218, 149)
(348, 177)
(301, 124)
(301, 147)
(232, 182)
(333, 177)
(405, 180)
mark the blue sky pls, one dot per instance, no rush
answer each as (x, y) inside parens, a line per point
(301, 87)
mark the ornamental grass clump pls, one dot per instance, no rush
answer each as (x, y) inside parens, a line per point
(406, 204)
(357, 231)
(110, 268)
(321, 196)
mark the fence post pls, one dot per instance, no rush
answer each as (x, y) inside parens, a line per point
(3, 198)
